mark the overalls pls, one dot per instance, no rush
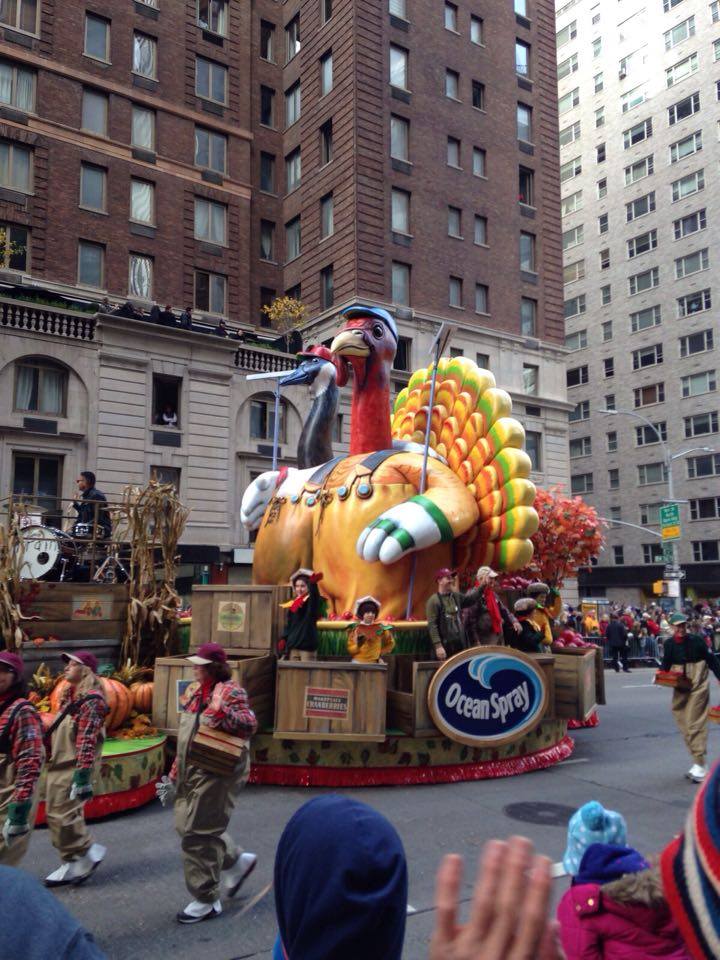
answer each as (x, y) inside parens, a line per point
(12, 854)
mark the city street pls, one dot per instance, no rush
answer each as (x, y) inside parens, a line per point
(633, 762)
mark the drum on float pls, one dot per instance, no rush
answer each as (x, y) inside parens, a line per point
(46, 553)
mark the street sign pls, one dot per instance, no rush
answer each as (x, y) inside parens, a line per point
(670, 521)
(667, 553)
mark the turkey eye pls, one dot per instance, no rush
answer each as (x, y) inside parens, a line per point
(378, 331)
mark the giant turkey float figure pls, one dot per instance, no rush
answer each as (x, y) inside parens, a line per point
(365, 520)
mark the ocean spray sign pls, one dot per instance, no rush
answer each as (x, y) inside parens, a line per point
(487, 696)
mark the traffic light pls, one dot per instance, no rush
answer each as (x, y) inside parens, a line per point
(657, 588)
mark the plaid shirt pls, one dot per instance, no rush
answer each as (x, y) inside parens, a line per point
(27, 748)
(89, 722)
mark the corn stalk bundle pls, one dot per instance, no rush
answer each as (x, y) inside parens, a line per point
(11, 615)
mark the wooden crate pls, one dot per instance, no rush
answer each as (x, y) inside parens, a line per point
(322, 700)
(407, 702)
(173, 674)
(575, 683)
(75, 611)
(243, 618)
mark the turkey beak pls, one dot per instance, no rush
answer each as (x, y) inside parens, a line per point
(350, 343)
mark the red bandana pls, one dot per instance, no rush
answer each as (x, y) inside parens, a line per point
(493, 609)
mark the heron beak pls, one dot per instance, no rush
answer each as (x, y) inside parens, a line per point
(350, 343)
(300, 375)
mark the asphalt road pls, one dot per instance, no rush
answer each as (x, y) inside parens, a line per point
(633, 762)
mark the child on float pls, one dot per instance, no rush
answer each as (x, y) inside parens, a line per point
(530, 638)
(300, 637)
(21, 758)
(75, 741)
(369, 640)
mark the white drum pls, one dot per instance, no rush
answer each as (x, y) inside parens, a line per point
(46, 554)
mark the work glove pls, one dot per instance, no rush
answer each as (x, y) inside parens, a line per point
(81, 788)
(16, 823)
(166, 790)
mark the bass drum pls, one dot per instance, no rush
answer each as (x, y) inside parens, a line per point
(46, 554)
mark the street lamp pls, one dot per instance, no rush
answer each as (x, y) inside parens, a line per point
(668, 459)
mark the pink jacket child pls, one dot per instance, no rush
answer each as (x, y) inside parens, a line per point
(615, 910)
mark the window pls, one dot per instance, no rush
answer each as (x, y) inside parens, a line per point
(399, 138)
(577, 376)
(144, 55)
(210, 150)
(326, 143)
(210, 221)
(38, 477)
(705, 508)
(478, 95)
(680, 32)
(572, 202)
(293, 170)
(267, 172)
(692, 223)
(646, 280)
(686, 186)
(653, 553)
(522, 58)
(646, 435)
(575, 306)
(598, 82)
(597, 47)
(600, 153)
(706, 551)
(707, 466)
(696, 384)
(262, 420)
(327, 216)
(604, 258)
(212, 16)
(679, 71)
(531, 379)
(20, 15)
(610, 401)
(91, 264)
(526, 187)
(701, 424)
(451, 17)
(609, 367)
(92, 187)
(40, 387)
(614, 479)
(521, 8)
(618, 553)
(524, 122)
(581, 483)
(696, 343)
(140, 275)
(577, 340)
(683, 108)
(211, 84)
(527, 252)
(211, 292)
(400, 210)
(483, 360)
(669, 4)
(645, 319)
(605, 295)
(400, 283)
(267, 41)
(326, 73)
(647, 356)
(17, 86)
(482, 298)
(480, 231)
(640, 207)
(533, 448)
(574, 271)
(602, 188)
(581, 411)
(293, 244)
(327, 287)
(715, 11)
(454, 222)
(637, 133)
(581, 447)
(453, 152)
(403, 354)
(267, 240)
(686, 147)
(398, 67)
(326, 12)
(603, 223)
(397, 8)
(647, 396)
(142, 132)
(455, 294)
(476, 30)
(566, 67)
(572, 237)
(633, 98)
(643, 243)
(568, 101)
(16, 167)
(570, 134)
(600, 117)
(641, 168)
(97, 36)
(94, 112)
(692, 263)
(567, 34)
(611, 443)
(479, 162)
(14, 247)
(292, 104)
(651, 473)
(607, 331)
(528, 317)
(694, 303)
(142, 201)
(650, 514)
(452, 84)
(292, 38)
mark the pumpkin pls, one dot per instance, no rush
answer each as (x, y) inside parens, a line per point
(142, 696)
(118, 698)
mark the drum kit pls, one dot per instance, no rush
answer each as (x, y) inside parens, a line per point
(47, 553)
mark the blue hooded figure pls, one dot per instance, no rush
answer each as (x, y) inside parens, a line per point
(340, 884)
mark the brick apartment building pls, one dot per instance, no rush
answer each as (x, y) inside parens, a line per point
(215, 154)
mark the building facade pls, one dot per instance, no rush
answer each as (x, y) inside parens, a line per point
(638, 94)
(214, 155)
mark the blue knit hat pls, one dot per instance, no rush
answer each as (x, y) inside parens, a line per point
(592, 823)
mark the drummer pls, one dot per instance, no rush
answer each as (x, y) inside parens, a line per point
(689, 654)
(87, 513)
(21, 757)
